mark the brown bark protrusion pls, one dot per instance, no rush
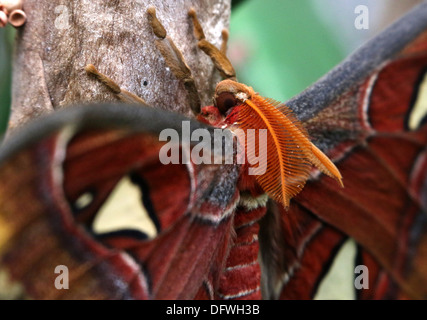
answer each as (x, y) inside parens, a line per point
(61, 37)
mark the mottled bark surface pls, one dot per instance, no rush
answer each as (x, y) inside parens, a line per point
(61, 37)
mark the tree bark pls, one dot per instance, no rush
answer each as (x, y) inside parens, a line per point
(61, 37)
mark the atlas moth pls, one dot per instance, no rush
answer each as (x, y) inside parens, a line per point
(290, 154)
(217, 235)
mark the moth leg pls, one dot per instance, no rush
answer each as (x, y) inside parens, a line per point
(174, 60)
(218, 56)
(123, 95)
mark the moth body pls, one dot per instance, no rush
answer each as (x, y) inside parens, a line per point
(289, 153)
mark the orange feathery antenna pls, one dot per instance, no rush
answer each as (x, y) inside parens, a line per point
(290, 153)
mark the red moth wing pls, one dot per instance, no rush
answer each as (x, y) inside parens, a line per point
(303, 246)
(381, 284)
(367, 116)
(85, 152)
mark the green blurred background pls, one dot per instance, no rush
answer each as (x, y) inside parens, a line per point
(281, 47)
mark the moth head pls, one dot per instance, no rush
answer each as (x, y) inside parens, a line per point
(229, 96)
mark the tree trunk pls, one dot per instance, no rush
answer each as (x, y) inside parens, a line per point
(61, 37)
